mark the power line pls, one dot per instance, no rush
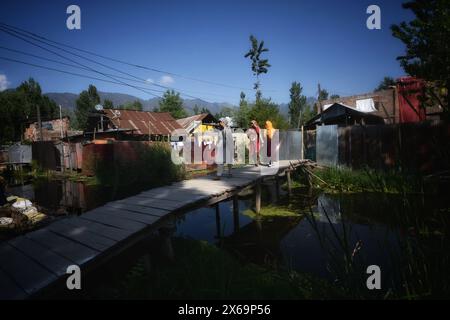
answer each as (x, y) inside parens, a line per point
(125, 62)
(68, 72)
(83, 68)
(74, 61)
(11, 31)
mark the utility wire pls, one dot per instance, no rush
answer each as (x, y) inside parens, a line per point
(10, 31)
(125, 62)
(74, 61)
(67, 72)
(83, 68)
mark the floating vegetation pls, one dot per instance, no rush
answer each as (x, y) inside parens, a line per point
(272, 211)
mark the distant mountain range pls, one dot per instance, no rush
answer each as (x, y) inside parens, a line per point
(68, 101)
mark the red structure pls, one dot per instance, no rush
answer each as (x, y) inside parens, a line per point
(410, 90)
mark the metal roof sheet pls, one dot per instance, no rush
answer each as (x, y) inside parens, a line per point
(143, 122)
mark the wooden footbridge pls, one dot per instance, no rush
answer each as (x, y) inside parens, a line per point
(37, 261)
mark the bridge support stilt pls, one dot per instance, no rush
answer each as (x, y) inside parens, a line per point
(236, 213)
(289, 181)
(258, 196)
(218, 227)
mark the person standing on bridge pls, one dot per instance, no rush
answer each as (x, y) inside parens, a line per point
(224, 148)
(269, 135)
(254, 135)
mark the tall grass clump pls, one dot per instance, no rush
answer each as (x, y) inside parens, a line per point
(144, 166)
(366, 180)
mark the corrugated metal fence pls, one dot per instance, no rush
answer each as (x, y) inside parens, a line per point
(422, 146)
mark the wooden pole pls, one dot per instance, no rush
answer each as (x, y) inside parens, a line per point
(38, 109)
(236, 213)
(318, 98)
(258, 196)
(277, 187)
(218, 221)
(302, 151)
(289, 182)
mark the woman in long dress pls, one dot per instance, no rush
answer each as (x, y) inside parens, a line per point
(269, 135)
(254, 135)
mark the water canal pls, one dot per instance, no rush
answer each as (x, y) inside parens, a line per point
(209, 253)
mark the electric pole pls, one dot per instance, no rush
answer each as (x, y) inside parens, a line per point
(38, 109)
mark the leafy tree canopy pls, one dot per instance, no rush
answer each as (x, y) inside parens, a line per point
(386, 83)
(427, 53)
(171, 102)
(18, 108)
(86, 102)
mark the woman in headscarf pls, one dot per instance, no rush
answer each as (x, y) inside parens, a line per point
(269, 135)
(254, 135)
(226, 144)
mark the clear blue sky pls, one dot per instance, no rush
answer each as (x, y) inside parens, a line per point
(309, 41)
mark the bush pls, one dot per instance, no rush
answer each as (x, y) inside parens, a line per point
(143, 166)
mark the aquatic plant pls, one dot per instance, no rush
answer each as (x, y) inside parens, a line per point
(338, 180)
(151, 167)
(203, 271)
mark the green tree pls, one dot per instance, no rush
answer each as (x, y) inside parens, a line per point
(18, 108)
(171, 102)
(108, 104)
(323, 94)
(264, 110)
(259, 66)
(196, 109)
(335, 96)
(135, 106)
(307, 115)
(296, 105)
(243, 113)
(86, 102)
(205, 110)
(386, 83)
(427, 53)
(226, 112)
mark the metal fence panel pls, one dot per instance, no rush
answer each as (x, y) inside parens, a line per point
(290, 145)
(19, 153)
(327, 147)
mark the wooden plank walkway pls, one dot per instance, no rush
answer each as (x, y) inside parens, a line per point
(39, 259)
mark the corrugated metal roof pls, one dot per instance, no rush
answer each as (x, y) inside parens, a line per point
(143, 122)
(186, 122)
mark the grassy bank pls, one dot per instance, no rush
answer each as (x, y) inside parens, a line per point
(343, 180)
(150, 167)
(203, 271)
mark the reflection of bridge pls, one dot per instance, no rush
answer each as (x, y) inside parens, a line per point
(39, 259)
(259, 241)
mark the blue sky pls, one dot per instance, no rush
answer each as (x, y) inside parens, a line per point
(309, 41)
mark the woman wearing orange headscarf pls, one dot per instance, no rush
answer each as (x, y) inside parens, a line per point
(269, 134)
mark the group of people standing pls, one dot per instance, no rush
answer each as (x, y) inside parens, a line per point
(256, 143)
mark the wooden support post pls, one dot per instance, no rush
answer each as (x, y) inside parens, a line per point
(166, 243)
(277, 188)
(289, 183)
(38, 111)
(236, 213)
(302, 151)
(147, 263)
(258, 196)
(218, 226)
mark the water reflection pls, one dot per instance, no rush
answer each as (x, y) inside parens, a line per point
(57, 197)
(340, 233)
